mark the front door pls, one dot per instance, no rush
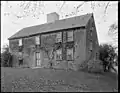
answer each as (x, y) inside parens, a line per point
(38, 60)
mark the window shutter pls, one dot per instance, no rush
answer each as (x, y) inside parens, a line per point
(64, 52)
(64, 36)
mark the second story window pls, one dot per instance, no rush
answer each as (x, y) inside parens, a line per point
(59, 37)
(20, 42)
(91, 45)
(37, 40)
(20, 45)
(70, 36)
(97, 56)
(91, 32)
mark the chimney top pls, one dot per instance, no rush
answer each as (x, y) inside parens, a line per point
(51, 17)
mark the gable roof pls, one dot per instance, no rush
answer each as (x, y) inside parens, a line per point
(72, 22)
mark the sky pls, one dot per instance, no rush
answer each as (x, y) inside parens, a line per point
(10, 24)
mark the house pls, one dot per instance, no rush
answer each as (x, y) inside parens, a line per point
(67, 43)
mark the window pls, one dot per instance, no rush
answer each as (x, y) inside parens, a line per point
(20, 45)
(91, 32)
(59, 54)
(91, 45)
(70, 36)
(96, 55)
(20, 57)
(70, 54)
(59, 37)
(64, 36)
(38, 59)
(20, 48)
(20, 42)
(37, 40)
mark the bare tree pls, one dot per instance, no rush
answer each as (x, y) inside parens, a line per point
(35, 8)
(113, 31)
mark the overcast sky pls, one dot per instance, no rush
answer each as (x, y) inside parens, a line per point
(10, 24)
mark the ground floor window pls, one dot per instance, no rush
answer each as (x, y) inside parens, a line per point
(20, 58)
(38, 58)
(69, 54)
(20, 48)
(59, 54)
(97, 56)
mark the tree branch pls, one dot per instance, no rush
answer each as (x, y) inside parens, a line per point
(106, 7)
(80, 6)
(62, 6)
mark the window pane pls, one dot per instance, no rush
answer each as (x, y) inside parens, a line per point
(91, 45)
(70, 54)
(58, 40)
(64, 36)
(59, 37)
(39, 62)
(59, 34)
(20, 42)
(91, 32)
(70, 39)
(37, 39)
(59, 54)
(70, 35)
(20, 55)
(39, 55)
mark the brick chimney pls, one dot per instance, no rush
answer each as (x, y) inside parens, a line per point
(51, 17)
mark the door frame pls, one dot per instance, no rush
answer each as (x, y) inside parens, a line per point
(36, 65)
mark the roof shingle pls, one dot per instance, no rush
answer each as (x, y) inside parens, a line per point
(77, 21)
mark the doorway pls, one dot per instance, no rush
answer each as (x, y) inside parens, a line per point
(38, 59)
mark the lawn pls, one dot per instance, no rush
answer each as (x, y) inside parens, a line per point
(41, 79)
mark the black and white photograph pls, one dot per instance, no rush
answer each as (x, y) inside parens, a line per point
(59, 46)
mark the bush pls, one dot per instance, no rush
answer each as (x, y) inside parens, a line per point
(91, 66)
(107, 55)
(95, 66)
(6, 58)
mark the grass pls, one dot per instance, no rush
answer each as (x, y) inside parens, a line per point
(41, 79)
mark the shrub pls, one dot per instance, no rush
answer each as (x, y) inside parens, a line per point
(6, 58)
(95, 66)
(107, 55)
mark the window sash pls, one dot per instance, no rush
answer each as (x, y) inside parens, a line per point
(70, 36)
(70, 39)
(59, 54)
(91, 32)
(59, 37)
(20, 42)
(37, 40)
(38, 56)
(70, 54)
(91, 45)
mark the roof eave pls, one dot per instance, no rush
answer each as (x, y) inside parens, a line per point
(42, 33)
